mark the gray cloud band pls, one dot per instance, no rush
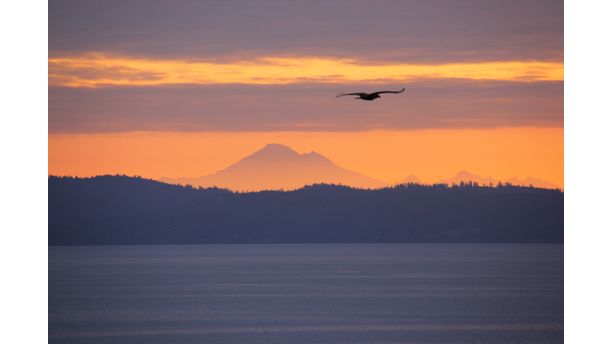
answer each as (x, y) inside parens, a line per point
(304, 107)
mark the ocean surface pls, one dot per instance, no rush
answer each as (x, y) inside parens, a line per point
(311, 293)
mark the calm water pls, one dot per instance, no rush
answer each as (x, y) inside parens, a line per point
(370, 293)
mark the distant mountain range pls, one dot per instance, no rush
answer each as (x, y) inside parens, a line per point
(120, 210)
(466, 177)
(276, 167)
(411, 179)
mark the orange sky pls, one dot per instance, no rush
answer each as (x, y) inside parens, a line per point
(387, 155)
(185, 91)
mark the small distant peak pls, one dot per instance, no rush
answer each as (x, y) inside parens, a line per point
(313, 153)
(276, 149)
(464, 173)
(275, 145)
(315, 156)
(412, 179)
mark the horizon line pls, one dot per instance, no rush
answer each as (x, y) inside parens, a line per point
(469, 183)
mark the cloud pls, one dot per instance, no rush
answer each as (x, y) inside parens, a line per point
(276, 65)
(439, 31)
(92, 70)
(305, 107)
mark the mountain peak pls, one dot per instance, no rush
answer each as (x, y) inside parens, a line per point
(276, 166)
(465, 176)
(464, 173)
(276, 148)
(315, 156)
(411, 179)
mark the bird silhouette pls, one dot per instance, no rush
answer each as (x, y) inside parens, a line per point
(369, 96)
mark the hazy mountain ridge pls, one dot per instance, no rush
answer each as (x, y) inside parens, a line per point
(279, 167)
(128, 210)
(466, 177)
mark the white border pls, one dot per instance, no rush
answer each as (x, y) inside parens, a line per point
(23, 182)
(588, 204)
(23, 176)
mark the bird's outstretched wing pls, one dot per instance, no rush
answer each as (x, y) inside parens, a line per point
(395, 92)
(352, 94)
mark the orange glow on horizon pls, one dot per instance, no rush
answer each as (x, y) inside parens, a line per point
(97, 69)
(390, 156)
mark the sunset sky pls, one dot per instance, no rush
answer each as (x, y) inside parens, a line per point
(185, 88)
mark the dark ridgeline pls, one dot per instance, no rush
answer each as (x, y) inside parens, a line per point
(131, 210)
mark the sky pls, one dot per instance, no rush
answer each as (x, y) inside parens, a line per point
(185, 88)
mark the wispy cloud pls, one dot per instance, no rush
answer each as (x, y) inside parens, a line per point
(98, 69)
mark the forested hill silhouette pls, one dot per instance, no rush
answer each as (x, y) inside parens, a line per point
(131, 210)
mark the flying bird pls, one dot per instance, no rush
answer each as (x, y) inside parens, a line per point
(369, 96)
